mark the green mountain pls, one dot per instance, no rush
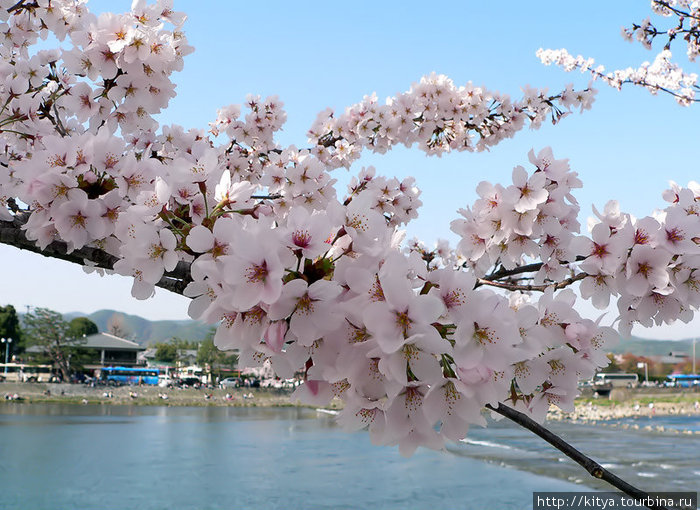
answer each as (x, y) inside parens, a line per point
(147, 332)
(646, 347)
(142, 330)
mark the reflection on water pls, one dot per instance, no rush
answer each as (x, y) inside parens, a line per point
(197, 413)
(70, 457)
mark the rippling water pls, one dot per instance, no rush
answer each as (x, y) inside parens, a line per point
(652, 453)
(90, 457)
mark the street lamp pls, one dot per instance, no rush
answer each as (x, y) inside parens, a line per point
(646, 371)
(7, 342)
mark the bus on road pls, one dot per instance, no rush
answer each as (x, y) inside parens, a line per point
(23, 372)
(617, 380)
(683, 380)
(128, 375)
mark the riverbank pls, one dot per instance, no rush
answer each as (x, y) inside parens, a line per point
(622, 404)
(142, 395)
(631, 403)
(587, 412)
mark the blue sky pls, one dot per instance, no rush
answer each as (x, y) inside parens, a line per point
(315, 56)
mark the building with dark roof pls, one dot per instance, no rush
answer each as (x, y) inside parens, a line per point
(100, 350)
(108, 350)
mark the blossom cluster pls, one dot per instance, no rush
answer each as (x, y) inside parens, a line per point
(650, 264)
(439, 117)
(688, 25)
(534, 218)
(414, 341)
(661, 75)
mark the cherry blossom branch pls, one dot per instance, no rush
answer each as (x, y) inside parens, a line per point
(12, 234)
(502, 272)
(668, 6)
(271, 196)
(593, 468)
(483, 128)
(22, 5)
(645, 32)
(613, 80)
(662, 75)
(659, 88)
(525, 288)
(438, 117)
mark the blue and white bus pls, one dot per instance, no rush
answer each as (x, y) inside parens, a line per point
(129, 375)
(683, 380)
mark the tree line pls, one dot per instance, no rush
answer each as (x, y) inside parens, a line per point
(46, 337)
(58, 341)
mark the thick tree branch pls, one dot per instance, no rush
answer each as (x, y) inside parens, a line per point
(593, 468)
(12, 234)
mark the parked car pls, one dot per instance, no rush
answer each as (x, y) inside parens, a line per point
(165, 381)
(230, 382)
(189, 382)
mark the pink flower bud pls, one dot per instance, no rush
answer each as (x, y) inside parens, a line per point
(313, 387)
(274, 335)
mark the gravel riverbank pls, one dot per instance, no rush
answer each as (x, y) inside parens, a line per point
(586, 412)
(632, 403)
(143, 395)
(624, 404)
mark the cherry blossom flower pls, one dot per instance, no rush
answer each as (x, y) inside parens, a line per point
(256, 266)
(646, 270)
(402, 314)
(78, 219)
(311, 308)
(526, 194)
(309, 233)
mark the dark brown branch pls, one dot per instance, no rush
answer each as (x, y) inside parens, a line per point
(12, 234)
(273, 196)
(21, 5)
(503, 273)
(593, 468)
(528, 288)
(528, 268)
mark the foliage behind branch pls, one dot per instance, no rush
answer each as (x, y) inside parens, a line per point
(48, 331)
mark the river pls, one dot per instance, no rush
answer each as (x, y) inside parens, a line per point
(94, 457)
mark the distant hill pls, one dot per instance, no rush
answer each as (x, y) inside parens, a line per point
(144, 331)
(645, 347)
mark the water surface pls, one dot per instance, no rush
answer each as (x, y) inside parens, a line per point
(94, 457)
